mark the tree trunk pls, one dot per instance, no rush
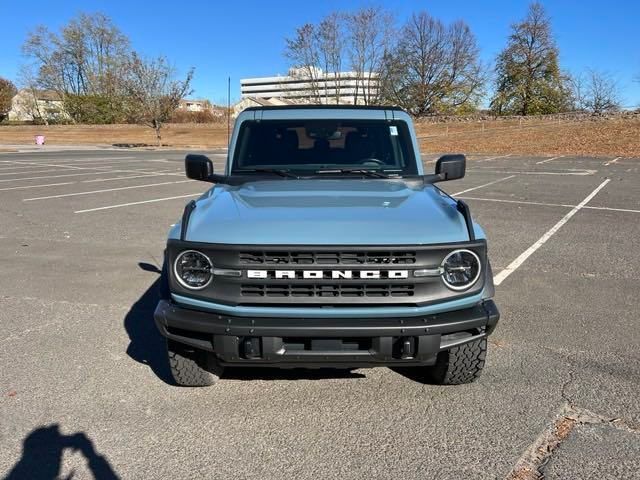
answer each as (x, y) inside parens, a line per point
(157, 128)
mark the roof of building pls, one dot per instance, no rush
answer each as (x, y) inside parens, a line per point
(41, 94)
(267, 102)
(194, 100)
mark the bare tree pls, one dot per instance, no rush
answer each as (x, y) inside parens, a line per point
(434, 68)
(330, 38)
(369, 32)
(303, 51)
(85, 58)
(577, 90)
(153, 92)
(29, 103)
(602, 93)
(7, 92)
(595, 91)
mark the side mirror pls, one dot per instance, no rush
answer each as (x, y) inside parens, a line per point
(198, 167)
(451, 167)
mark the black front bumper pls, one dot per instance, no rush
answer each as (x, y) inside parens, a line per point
(312, 342)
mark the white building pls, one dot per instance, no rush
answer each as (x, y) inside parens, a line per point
(312, 85)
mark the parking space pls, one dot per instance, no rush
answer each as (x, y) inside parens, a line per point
(83, 234)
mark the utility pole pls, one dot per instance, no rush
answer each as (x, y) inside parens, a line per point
(228, 111)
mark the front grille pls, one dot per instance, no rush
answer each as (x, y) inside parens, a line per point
(359, 290)
(297, 289)
(327, 258)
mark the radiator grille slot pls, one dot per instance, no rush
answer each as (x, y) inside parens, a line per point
(294, 290)
(327, 258)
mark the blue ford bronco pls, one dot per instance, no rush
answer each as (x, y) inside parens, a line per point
(324, 244)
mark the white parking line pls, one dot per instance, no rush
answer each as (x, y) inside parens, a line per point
(610, 162)
(130, 187)
(108, 207)
(73, 167)
(6, 168)
(30, 172)
(612, 209)
(57, 165)
(24, 187)
(104, 162)
(482, 186)
(542, 204)
(93, 171)
(161, 173)
(47, 159)
(568, 171)
(433, 160)
(522, 202)
(513, 266)
(493, 158)
(549, 159)
(60, 176)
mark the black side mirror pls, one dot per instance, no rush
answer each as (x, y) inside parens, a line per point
(198, 167)
(451, 167)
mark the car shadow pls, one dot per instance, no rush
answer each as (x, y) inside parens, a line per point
(416, 374)
(267, 373)
(43, 450)
(148, 347)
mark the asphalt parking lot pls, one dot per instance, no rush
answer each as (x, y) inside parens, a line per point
(85, 388)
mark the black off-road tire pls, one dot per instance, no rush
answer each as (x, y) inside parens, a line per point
(458, 365)
(192, 367)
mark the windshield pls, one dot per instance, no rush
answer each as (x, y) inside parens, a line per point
(310, 147)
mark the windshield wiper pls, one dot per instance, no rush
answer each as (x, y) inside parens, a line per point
(364, 171)
(275, 171)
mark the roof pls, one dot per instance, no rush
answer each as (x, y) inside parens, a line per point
(325, 107)
(40, 94)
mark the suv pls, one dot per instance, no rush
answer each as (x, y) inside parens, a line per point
(325, 245)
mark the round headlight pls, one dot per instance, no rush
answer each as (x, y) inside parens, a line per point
(193, 269)
(460, 269)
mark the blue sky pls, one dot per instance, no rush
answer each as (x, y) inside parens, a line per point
(246, 38)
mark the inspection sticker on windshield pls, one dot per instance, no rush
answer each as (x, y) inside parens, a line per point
(393, 130)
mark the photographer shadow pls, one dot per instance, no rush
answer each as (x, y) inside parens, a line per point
(42, 453)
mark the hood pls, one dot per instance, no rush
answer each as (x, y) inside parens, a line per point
(325, 212)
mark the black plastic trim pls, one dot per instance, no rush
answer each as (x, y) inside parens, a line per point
(463, 208)
(430, 334)
(171, 314)
(186, 215)
(325, 247)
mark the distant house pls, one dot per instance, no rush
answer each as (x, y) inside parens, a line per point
(194, 105)
(30, 104)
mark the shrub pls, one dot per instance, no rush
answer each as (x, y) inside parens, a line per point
(184, 116)
(95, 109)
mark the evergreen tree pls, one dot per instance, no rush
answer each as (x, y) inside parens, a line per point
(528, 77)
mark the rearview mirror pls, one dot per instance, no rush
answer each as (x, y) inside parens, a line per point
(451, 167)
(198, 167)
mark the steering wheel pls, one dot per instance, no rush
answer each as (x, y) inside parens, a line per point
(369, 161)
